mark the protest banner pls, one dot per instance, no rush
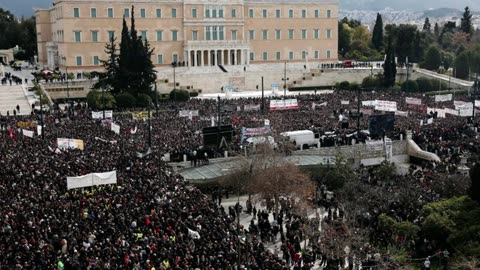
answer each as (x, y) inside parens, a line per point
(92, 179)
(99, 115)
(413, 101)
(115, 128)
(344, 102)
(65, 144)
(188, 113)
(251, 107)
(443, 98)
(285, 104)
(385, 105)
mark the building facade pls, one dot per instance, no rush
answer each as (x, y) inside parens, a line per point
(73, 33)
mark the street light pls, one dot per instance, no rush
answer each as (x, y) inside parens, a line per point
(285, 79)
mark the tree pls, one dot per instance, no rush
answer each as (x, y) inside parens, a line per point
(109, 79)
(389, 67)
(377, 36)
(466, 24)
(436, 31)
(433, 59)
(344, 38)
(427, 25)
(462, 65)
(411, 86)
(474, 191)
(447, 60)
(277, 178)
(96, 99)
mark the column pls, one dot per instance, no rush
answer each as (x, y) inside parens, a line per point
(235, 57)
(194, 58)
(214, 58)
(209, 58)
(188, 59)
(248, 57)
(201, 58)
(228, 57)
(219, 57)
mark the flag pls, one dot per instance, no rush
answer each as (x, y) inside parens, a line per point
(27, 133)
(133, 130)
(193, 234)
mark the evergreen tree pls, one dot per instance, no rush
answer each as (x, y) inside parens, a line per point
(474, 191)
(389, 67)
(108, 79)
(124, 59)
(433, 59)
(418, 48)
(427, 25)
(462, 65)
(466, 25)
(436, 30)
(377, 36)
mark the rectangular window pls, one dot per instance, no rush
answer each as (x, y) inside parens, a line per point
(94, 36)
(265, 56)
(277, 13)
(111, 35)
(220, 33)
(174, 13)
(304, 13)
(143, 34)
(316, 34)
(316, 55)
(142, 13)
(251, 34)
(220, 12)
(234, 13)
(250, 13)
(234, 34)
(304, 55)
(174, 35)
(96, 61)
(329, 54)
(290, 33)
(265, 34)
(175, 58)
(77, 36)
(214, 33)
(252, 56)
(290, 13)
(207, 13)
(78, 60)
(110, 12)
(158, 13)
(208, 33)
(159, 35)
(317, 13)
(329, 33)
(194, 35)
(290, 55)
(278, 34)
(304, 33)
(277, 56)
(214, 13)
(329, 13)
(264, 13)
(160, 59)
(76, 13)
(126, 12)
(93, 12)
(194, 13)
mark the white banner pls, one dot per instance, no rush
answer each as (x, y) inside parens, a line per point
(65, 144)
(369, 103)
(477, 103)
(443, 98)
(400, 113)
(464, 106)
(99, 115)
(440, 112)
(39, 130)
(344, 102)
(251, 107)
(92, 179)
(27, 133)
(414, 101)
(451, 111)
(465, 112)
(267, 122)
(314, 105)
(285, 104)
(387, 106)
(115, 128)
(188, 113)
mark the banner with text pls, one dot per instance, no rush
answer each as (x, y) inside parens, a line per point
(285, 104)
(99, 115)
(65, 144)
(251, 107)
(369, 103)
(314, 105)
(443, 98)
(188, 113)
(386, 106)
(413, 101)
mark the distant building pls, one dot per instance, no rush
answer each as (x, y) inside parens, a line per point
(73, 33)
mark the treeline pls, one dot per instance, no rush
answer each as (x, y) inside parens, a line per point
(448, 48)
(18, 31)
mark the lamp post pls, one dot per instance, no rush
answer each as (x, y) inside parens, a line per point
(285, 79)
(474, 93)
(174, 65)
(41, 113)
(149, 127)
(156, 98)
(66, 76)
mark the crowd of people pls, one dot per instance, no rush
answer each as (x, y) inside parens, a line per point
(152, 218)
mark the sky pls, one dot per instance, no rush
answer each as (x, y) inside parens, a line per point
(25, 7)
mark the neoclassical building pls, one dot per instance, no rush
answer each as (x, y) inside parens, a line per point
(73, 33)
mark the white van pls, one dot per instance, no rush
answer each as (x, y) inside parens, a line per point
(301, 138)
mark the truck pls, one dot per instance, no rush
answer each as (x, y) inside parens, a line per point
(301, 138)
